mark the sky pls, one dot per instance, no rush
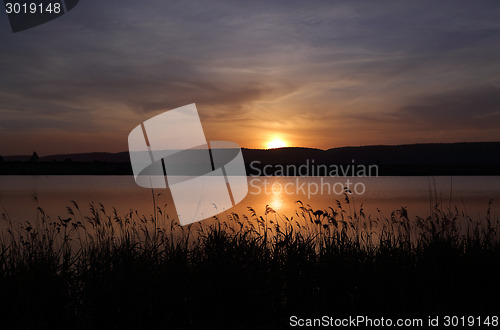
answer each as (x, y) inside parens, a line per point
(319, 74)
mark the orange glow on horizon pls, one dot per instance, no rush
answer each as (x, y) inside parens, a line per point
(276, 143)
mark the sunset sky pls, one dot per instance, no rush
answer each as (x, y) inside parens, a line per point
(311, 73)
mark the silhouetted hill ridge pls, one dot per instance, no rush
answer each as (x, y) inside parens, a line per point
(465, 158)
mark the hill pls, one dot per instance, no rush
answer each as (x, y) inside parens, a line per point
(468, 158)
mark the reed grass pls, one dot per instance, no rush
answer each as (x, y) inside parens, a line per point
(101, 270)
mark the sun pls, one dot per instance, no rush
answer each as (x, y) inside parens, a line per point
(276, 143)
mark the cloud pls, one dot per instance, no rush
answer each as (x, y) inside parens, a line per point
(473, 108)
(293, 66)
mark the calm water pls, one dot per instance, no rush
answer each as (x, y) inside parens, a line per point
(54, 193)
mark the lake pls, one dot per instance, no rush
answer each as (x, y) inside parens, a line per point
(20, 195)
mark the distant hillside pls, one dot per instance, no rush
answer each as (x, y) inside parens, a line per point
(108, 157)
(434, 153)
(478, 158)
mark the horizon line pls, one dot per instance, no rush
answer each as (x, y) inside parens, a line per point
(265, 149)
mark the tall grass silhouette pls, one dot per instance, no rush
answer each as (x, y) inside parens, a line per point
(99, 269)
